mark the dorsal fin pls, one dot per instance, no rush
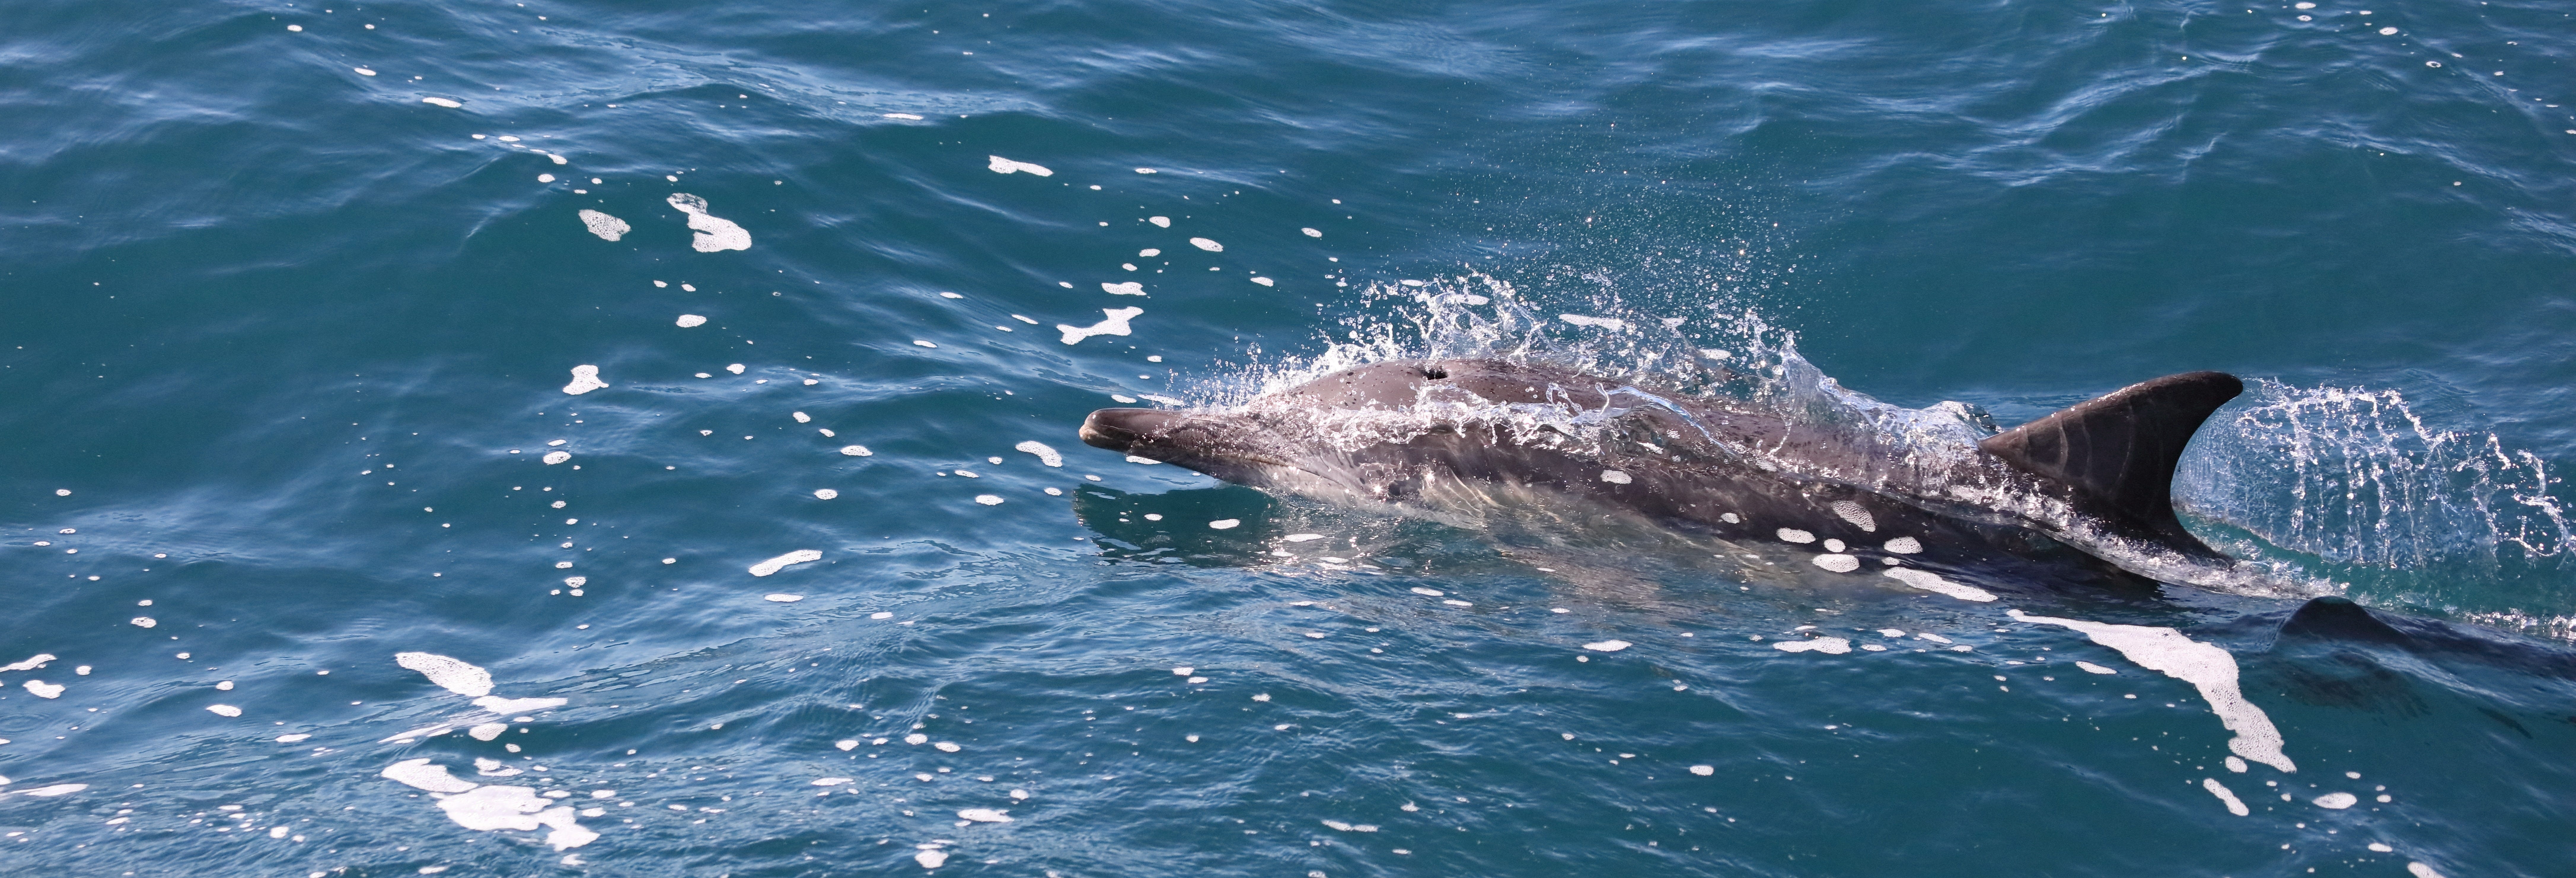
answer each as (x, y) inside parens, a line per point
(2118, 450)
(2333, 618)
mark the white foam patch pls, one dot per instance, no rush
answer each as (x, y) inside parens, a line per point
(608, 228)
(2091, 668)
(735, 368)
(2336, 801)
(451, 674)
(224, 710)
(825, 494)
(714, 233)
(1160, 222)
(1794, 535)
(443, 102)
(1932, 582)
(584, 380)
(1299, 538)
(1832, 645)
(1130, 288)
(1002, 165)
(988, 499)
(1207, 245)
(690, 320)
(783, 598)
(1350, 827)
(2226, 796)
(555, 457)
(487, 731)
(498, 704)
(421, 774)
(1046, 455)
(1860, 518)
(142, 622)
(1429, 592)
(2420, 870)
(490, 808)
(1115, 325)
(1615, 477)
(1602, 322)
(294, 738)
(60, 789)
(856, 450)
(1226, 523)
(33, 662)
(1312, 233)
(2207, 668)
(1608, 646)
(1838, 563)
(931, 858)
(985, 815)
(774, 565)
(42, 689)
(846, 744)
(1904, 546)
(833, 781)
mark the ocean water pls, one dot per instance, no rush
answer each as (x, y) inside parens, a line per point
(402, 401)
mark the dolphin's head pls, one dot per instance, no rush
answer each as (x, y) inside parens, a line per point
(1281, 439)
(1234, 447)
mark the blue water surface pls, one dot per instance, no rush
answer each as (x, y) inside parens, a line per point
(295, 295)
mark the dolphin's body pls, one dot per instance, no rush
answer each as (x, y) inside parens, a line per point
(1430, 436)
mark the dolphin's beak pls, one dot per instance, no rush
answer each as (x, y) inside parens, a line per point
(1219, 445)
(1125, 430)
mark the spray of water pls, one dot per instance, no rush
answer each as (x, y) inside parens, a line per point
(1719, 349)
(2411, 514)
(2356, 477)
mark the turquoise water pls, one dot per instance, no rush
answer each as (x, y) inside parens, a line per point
(287, 344)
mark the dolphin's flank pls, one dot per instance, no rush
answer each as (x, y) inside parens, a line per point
(1435, 436)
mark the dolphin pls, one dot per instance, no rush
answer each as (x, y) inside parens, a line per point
(1437, 436)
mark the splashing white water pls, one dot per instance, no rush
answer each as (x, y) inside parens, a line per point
(2411, 513)
(2369, 482)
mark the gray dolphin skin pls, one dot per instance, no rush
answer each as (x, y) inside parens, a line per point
(1435, 435)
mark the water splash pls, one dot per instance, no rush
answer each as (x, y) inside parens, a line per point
(2355, 476)
(1719, 348)
(2449, 522)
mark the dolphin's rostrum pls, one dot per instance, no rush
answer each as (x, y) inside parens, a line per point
(1433, 436)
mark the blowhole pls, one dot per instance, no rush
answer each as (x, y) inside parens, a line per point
(1434, 373)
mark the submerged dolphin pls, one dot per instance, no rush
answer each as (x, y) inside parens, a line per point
(1435, 436)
